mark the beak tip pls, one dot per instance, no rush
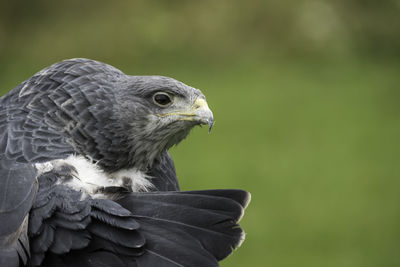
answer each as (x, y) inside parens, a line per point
(203, 113)
(210, 124)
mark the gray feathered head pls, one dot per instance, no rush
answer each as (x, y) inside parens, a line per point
(156, 113)
(119, 120)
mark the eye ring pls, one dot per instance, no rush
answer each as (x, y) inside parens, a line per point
(162, 99)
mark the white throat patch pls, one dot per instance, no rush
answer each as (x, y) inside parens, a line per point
(89, 177)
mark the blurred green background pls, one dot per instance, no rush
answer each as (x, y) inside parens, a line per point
(306, 99)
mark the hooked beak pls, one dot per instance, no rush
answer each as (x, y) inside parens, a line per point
(199, 112)
(203, 113)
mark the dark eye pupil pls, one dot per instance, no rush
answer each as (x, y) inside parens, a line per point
(162, 99)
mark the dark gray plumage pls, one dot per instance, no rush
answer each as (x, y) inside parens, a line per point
(57, 215)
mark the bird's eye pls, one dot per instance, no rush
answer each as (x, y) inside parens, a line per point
(162, 99)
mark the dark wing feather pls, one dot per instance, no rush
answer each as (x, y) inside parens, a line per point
(17, 191)
(195, 228)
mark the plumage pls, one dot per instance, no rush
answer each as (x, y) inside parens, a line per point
(86, 178)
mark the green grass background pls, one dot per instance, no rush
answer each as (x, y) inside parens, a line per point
(309, 125)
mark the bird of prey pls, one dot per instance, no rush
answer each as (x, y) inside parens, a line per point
(86, 178)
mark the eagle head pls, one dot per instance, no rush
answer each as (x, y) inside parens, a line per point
(154, 113)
